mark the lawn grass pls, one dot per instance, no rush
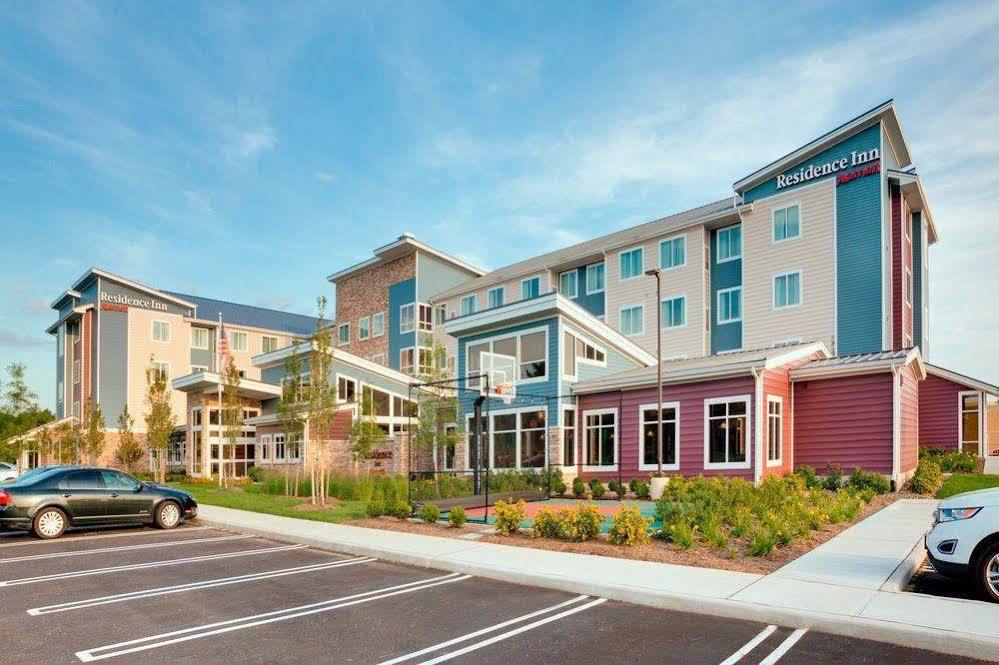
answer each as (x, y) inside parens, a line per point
(966, 482)
(251, 498)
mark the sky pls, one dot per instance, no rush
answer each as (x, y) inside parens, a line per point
(247, 151)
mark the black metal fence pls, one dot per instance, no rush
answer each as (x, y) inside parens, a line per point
(477, 490)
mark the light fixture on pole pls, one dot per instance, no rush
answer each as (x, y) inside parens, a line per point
(658, 274)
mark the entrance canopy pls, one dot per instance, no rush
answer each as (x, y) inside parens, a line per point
(208, 383)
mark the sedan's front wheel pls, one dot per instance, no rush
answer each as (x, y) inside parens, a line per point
(168, 515)
(987, 573)
(50, 523)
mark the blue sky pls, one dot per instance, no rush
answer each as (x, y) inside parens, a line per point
(246, 152)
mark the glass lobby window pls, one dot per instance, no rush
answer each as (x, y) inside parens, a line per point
(532, 439)
(495, 297)
(786, 222)
(673, 253)
(530, 288)
(631, 263)
(568, 284)
(595, 278)
(600, 438)
(650, 435)
(787, 290)
(674, 312)
(729, 243)
(727, 433)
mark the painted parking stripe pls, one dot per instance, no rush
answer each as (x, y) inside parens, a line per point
(516, 631)
(784, 647)
(72, 538)
(483, 631)
(150, 564)
(121, 548)
(749, 646)
(194, 586)
(242, 623)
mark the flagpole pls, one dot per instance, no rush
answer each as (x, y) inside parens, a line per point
(218, 373)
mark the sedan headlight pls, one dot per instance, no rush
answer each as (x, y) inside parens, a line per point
(953, 514)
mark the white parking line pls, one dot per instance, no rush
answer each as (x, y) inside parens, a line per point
(784, 647)
(242, 623)
(194, 586)
(749, 646)
(483, 631)
(121, 548)
(72, 538)
(150, 564)
(515, 631)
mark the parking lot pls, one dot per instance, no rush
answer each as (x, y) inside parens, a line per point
(208, 596)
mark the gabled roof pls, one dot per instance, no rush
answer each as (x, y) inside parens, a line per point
(884, 112)
(209, 309)
(593, 250)
(963, 379)
(702, 368)
(402, 246)
(911, 186)
(97, 272)
(278, 357)
(862, 363)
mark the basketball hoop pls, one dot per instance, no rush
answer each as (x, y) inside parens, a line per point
(500, 376)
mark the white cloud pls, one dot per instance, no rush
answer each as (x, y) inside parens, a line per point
(324, 176)
(242, 144)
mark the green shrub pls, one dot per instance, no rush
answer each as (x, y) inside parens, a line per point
(582, 523)
(808, 476)
(630, 527)
(375, 508)
(456, 517)
(834, 478)
(509, 517)
(862, 480)
(559, 487)
(255, 474)
(928, 477)
(547, 524)
(597, 488)
(959, 462)
(400, 509)
(578, 487)
(430, 513)
(762, 542)
(617, 487)
(639, 488)
(681, 534)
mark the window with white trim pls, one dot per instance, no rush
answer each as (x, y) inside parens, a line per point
(468, 305)
(787, 290)
(569, 437)
(440, 315)
(673, 253)
(197, 369)
(268, 344)
(669, 412)
(446, 451)
(595, 278)
(600, 432)
(775, 431)
(530, 288)
(378, 324)
(161, 370)
(495, 297)
(161, 331)
(970, 426)
(907, 286)
(346, 389)
(517, 439)
(199, 338)
(569, 355)
(786, 223)
(407, 320)
(632, 264)
(633, 320)
(343, 334)
(406, 360)
(568, 283)
(726, 432)
(730, 305)
(76, 371)
(364, 328)
(239, 341)
(729, 243)
(674, 312)
(426, 318)
(533, 358)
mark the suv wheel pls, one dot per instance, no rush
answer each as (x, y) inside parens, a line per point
(168, 515)
(987, 573)
(49, 524)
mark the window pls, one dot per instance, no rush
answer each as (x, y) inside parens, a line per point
(673, 253)
(378, 324)
(440, 315)
(239, 341)
(787, 223)
(600, 431)
(775, 434)
(595, 278)
(631, 263)
(969, 421)
(426, 318)
(268, 344)
(633, 320)
(346, 389)
(669, 413)
(364, 327)
(907, 286)
(533, 363)
(448, 446)
(517, 439)
(161, 331)
(729, 244)
(406, 359)
(533, 439)
(199, 338)
(343, 334)
(161, 370)
(196, 369)
(726, 432)
(76, 371)
(675, 312)
(730, 305)
(569, 437)
(495, 297)
(468, 305)
(530, 288)
(473, 368)
(407, 323)
(82, 480)
(588, 352)
(569, 355)
(115, 480)
(568, 284)
(378, 358)
(787, 290)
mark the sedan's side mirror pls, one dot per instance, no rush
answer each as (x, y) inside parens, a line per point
(139, 488)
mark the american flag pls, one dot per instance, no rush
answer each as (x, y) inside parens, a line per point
(224, 354)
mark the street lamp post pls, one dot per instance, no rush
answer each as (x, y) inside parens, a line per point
(658, 274)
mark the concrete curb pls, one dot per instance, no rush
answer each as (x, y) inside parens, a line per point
(900, 578)
(969, 645)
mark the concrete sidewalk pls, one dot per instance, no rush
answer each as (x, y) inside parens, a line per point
(850, 585)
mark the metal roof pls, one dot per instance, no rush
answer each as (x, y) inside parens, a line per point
(208, 309)
(860, 358)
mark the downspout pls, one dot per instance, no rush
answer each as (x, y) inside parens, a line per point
(757, 427)
(896, 439)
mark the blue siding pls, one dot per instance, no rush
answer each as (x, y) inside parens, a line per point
(726, 336)
(917, 281)
(113, 372)
(400, 294)
(593, 303)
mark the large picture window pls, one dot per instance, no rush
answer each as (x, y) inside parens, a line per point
(518, 439)
(669, 412)
(726, 431)
(775, 430)
(600, 431)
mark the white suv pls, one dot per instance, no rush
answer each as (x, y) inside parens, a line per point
(964, 541)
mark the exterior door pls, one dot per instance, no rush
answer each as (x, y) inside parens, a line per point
(84, 496)
(126, 500)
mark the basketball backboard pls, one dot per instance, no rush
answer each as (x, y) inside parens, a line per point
(501, 372)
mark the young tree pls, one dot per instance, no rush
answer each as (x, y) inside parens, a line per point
(290, 415)
(93, 434)
(160, 419)
(365, 434)
(129, 451)
(231, 418)
(19, 398)
(437, 408)
(322, 407)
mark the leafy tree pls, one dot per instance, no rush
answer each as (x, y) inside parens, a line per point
(438, 407)
(19, 413)
(321, 404)
(17, 395)
(290, 416)
(160, 419)
(93, 434)
(365, 434)
(231, 418)
(129, 451)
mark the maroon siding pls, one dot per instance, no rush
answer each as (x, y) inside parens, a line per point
(908, 420)
(691, 441)
(901, 259)
(939, 412)
(777, 383)
(845, 421)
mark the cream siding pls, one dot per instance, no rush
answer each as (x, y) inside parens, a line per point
(142, 348)
(812, 253)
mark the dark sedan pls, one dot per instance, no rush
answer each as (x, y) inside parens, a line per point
(49, 502)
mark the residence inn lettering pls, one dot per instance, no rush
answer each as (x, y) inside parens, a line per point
(813, 171)
(129, 301)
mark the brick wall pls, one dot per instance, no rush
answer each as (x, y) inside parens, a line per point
(367, 293)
